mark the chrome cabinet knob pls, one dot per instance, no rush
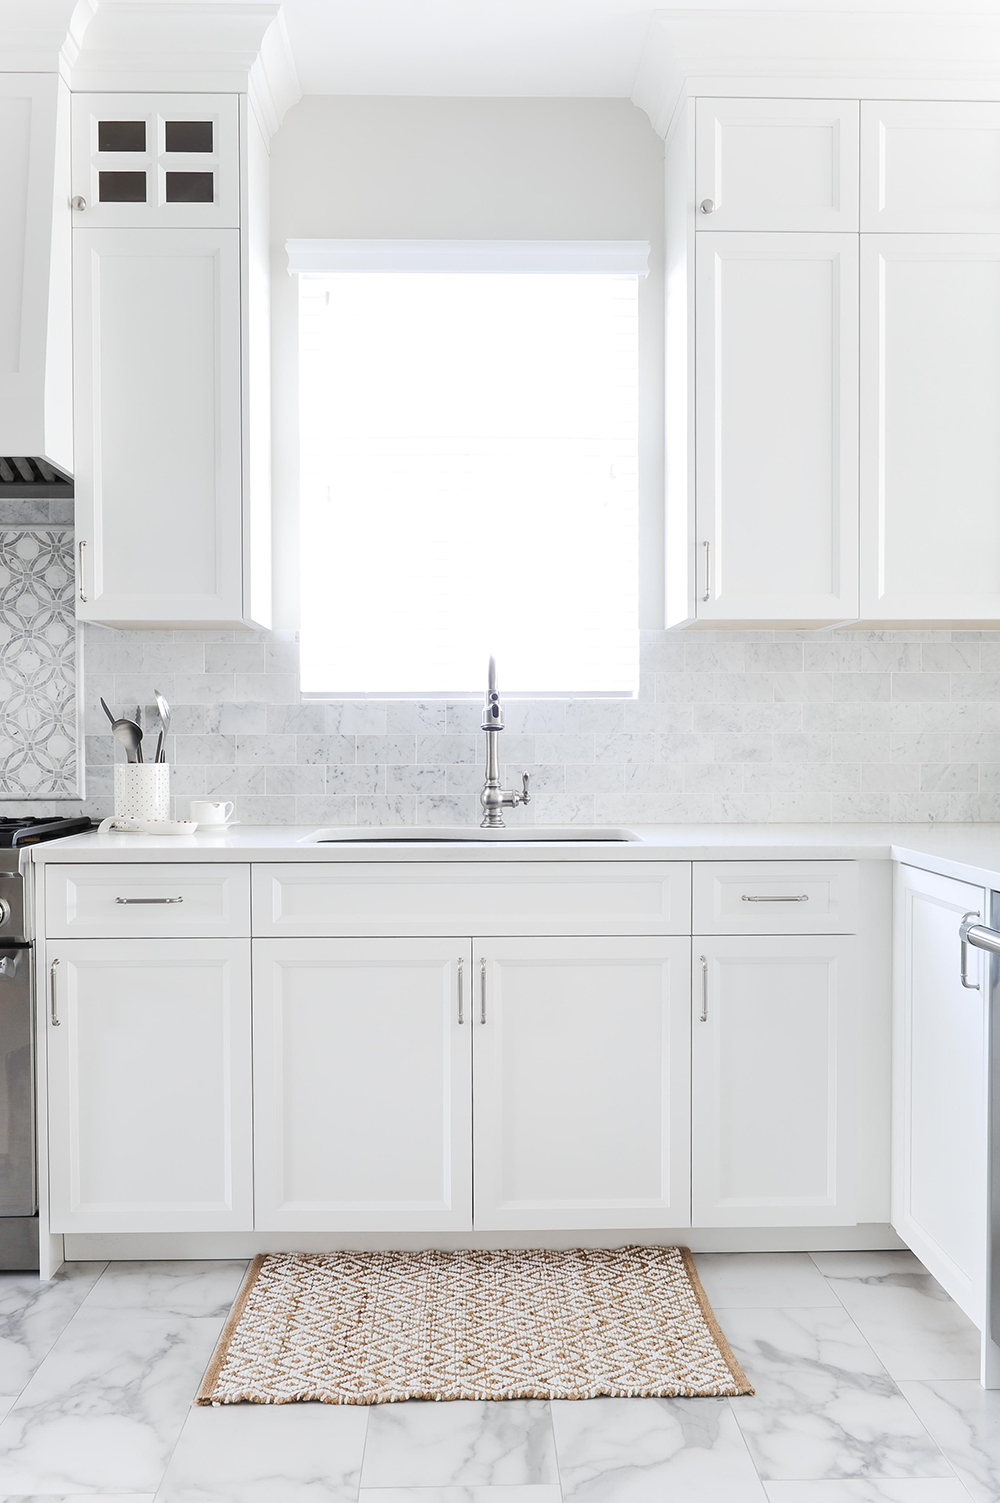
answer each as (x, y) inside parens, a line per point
(707, 206)
(4, 912)
(78, 202)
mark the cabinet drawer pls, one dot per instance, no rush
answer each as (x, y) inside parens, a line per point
(516, 898)
(775, 897)
(146, 901)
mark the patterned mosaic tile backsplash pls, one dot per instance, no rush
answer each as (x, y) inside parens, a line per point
(38, 648)
(731, 727)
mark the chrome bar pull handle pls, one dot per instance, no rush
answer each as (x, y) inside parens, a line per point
(708, 570)
(53, 1009)
(482, 990)
(704, 991)
(149, 900)
(963, 934)
(767, 897)
(461, 986)
(83, 592)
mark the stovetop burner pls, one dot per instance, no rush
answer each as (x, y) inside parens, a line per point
(18, 832)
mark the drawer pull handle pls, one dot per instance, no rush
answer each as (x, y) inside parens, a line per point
(461, 981)
(53, 1010)
(482, 990)
(704, 990)
(149, 900)
(753, 897)
(972, 986)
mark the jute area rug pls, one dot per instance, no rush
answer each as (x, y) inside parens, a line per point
(378, 1327)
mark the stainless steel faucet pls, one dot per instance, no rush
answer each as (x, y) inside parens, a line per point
(493, 798)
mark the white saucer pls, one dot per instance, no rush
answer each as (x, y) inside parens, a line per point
(218, 829)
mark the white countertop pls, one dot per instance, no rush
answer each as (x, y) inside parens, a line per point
(970, 852)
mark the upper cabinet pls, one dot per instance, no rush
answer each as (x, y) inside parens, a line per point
(830, 455)
(930, 167)
(149, 159)
(36, 394)
(777, 164)
(171, 356)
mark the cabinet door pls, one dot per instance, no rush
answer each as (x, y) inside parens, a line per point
(156, 159)
(36, 391)
(772, 1047)
(930, 166)
(939, 1192)
(362, 1084)
(581, 1083)
(930, 441)
(158, 480)
(777, 164)
(777, 413)
(150, 1117)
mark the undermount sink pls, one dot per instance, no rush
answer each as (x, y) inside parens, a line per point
(435, 834)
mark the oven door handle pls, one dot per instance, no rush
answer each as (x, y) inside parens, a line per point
(979, 936)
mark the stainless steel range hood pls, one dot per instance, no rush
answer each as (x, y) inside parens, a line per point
(36, 393)
(26, 479)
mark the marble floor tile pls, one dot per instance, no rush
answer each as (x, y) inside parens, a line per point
(774, 1281)
(33, 1315)
(650, 1450)
(488, 1444)
(195, 1288)
(529, 1494)
(824, 1407)
(105, 1408)
(913, 1326)
(916, 1490)
(964, 1419)
(268, 1453)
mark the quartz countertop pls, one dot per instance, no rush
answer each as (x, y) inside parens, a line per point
(968, 851)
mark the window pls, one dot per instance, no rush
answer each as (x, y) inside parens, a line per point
(469, 417)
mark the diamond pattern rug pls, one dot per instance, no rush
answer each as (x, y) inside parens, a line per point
(379, 1327)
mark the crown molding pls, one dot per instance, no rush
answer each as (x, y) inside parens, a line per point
(179, 46)
(43, 36)
(820, 53)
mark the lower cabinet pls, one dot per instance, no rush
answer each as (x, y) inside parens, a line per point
(939, 1130)
(149, 1085)
(582, 1083)
(772, 1089)
(362, 1084)
(369, 1054)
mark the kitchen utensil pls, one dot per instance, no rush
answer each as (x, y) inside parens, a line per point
(130, 736)
(164, 709)
(138, 721)
(107, 712)
(159, 747)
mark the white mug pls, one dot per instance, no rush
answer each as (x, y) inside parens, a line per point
(212, 814)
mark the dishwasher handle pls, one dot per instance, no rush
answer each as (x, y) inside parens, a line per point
(980, 936)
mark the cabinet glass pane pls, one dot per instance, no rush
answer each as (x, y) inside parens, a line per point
(121, 135)
(190, 188)
(189, 135)
(122, 187)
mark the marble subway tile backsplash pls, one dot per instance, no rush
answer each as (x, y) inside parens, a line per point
(729, 727)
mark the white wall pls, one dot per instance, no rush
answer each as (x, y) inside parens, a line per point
(467, 169)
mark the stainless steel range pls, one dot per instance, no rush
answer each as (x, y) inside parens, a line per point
(18, 1193)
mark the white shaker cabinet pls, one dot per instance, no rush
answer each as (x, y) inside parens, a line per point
(930, 166)
(939, 1185)
(581, 1083)
(773, 1098)
(36, 392)
(776, 426)
(930, 441)
(149, 1085)
(777, 164)
(363, 1084)
(158, 420)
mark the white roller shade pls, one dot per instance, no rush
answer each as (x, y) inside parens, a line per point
(469, 481)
